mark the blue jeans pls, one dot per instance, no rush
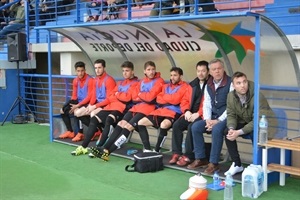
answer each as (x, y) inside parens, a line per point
(11, 28)
(217, 134)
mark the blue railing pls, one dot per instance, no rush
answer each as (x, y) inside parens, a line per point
(35, 92)
(54, 12)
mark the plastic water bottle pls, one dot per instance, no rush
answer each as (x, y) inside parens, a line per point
(216, 179)
(228, 193)
(263, 130)
(248, 187)
(183, 147)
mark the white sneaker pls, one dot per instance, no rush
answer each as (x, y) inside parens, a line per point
(147, 151)
(91, 155)
(234, 169)
(155, 151)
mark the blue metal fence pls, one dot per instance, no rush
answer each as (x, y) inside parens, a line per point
(35, 92)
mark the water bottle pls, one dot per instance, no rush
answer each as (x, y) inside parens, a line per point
(263, 130)
(183, 147)
(216, 180)
(248, 187)
(228, 193)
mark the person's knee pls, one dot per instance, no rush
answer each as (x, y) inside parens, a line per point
(196, 126)
(93, 113)
(81, 111)
(110, 119)
(165, 124)
(219, 128)
(142, 122)
(122, 123)
(129, 127)
(95, 120)
(225, 132)
(176, 125)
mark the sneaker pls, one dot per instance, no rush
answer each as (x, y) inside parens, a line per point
(174, 159)
(197, 164)
(91, 155)
(97, 134)
(154, 151)
(211, 168)
(97, 151)
(183, 161)
(78, 137)
(147, 150)
(105, 155)
(234, 169)
(67, 134)
(79, 150)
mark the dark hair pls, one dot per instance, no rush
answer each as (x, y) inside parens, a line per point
(177, 69)
(79, 64)
(149, 63)
(202, 63)
(238, 75)
(100, 61)
(128, 64)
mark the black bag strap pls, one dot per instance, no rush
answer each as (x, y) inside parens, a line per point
(131, 166)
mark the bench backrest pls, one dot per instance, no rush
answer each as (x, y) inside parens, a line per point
(282, 123)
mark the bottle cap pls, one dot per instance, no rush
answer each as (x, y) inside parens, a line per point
(197, 181)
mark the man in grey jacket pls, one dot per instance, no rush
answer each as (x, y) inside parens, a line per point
(240, 109)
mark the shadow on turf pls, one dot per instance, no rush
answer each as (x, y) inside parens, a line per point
(122, 152)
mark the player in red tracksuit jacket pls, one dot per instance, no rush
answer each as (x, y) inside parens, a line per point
(144, 98)
(120, 101)
(102, 87)
(81, 94)
(172, 102)
(190, 116)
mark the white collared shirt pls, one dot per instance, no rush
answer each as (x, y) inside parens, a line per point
(207, 107)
